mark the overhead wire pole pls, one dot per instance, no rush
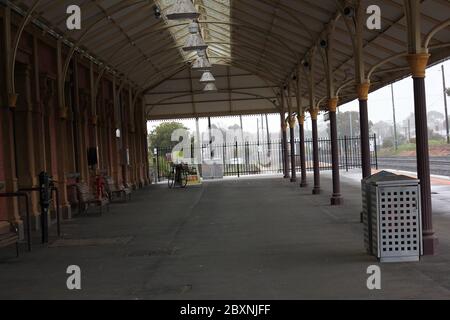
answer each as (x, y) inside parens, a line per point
(445, 104)
(393, 115)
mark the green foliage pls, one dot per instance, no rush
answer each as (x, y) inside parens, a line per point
(405, 147)
(348, 124)
(164, 166)
(161, 136)
(434, 135)
(388, 143)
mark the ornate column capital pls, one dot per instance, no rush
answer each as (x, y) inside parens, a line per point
(363, 90)
(418, 63)
(332, 104)
(301, 119)
(314, 113)
(292, 121)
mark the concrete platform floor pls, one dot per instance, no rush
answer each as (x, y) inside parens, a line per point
(253, 238)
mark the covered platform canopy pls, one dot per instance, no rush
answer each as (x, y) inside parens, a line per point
(255, 45)
(95, 88)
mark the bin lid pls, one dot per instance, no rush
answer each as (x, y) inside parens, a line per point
(386, 176)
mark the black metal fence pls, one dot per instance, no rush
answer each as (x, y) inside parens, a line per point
(253, 158)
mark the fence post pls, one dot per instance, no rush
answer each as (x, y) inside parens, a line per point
(237, 157)
(376, 150)
(157, 164)
(346, 153)
(224, 153)
(280, 157)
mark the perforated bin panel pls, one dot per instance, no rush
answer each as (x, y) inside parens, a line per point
(369, 202)
(399, 223)
(365, 217)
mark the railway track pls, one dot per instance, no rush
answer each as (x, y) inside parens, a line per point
(438, 165)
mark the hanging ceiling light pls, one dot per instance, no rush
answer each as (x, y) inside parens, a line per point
(202, 64)
(181, 10)
(157, 11)
(207, 77)
(195, 40)
(210, 87)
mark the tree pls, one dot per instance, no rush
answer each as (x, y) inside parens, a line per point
(435, 120)
(161, 136)
(221, 128)
(234, 127)
(344, 126)
(388, 142)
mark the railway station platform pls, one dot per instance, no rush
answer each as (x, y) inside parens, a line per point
(79, 83)
(248, 238)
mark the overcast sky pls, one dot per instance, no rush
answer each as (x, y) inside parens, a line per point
(380, 104)
(380, 101)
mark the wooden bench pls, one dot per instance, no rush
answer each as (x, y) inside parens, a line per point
(10, 236)
(86, 199)
(113, 191)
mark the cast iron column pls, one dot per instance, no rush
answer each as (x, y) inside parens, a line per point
(418, 63)
(292, 145)
(301, 129)
(336, 198)
(211, 152)
(314, 113)
(363, 95)
(284, 147)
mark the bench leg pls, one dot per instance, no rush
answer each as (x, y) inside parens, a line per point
(17, 249)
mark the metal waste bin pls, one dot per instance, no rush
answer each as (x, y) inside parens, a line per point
(392, 217)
